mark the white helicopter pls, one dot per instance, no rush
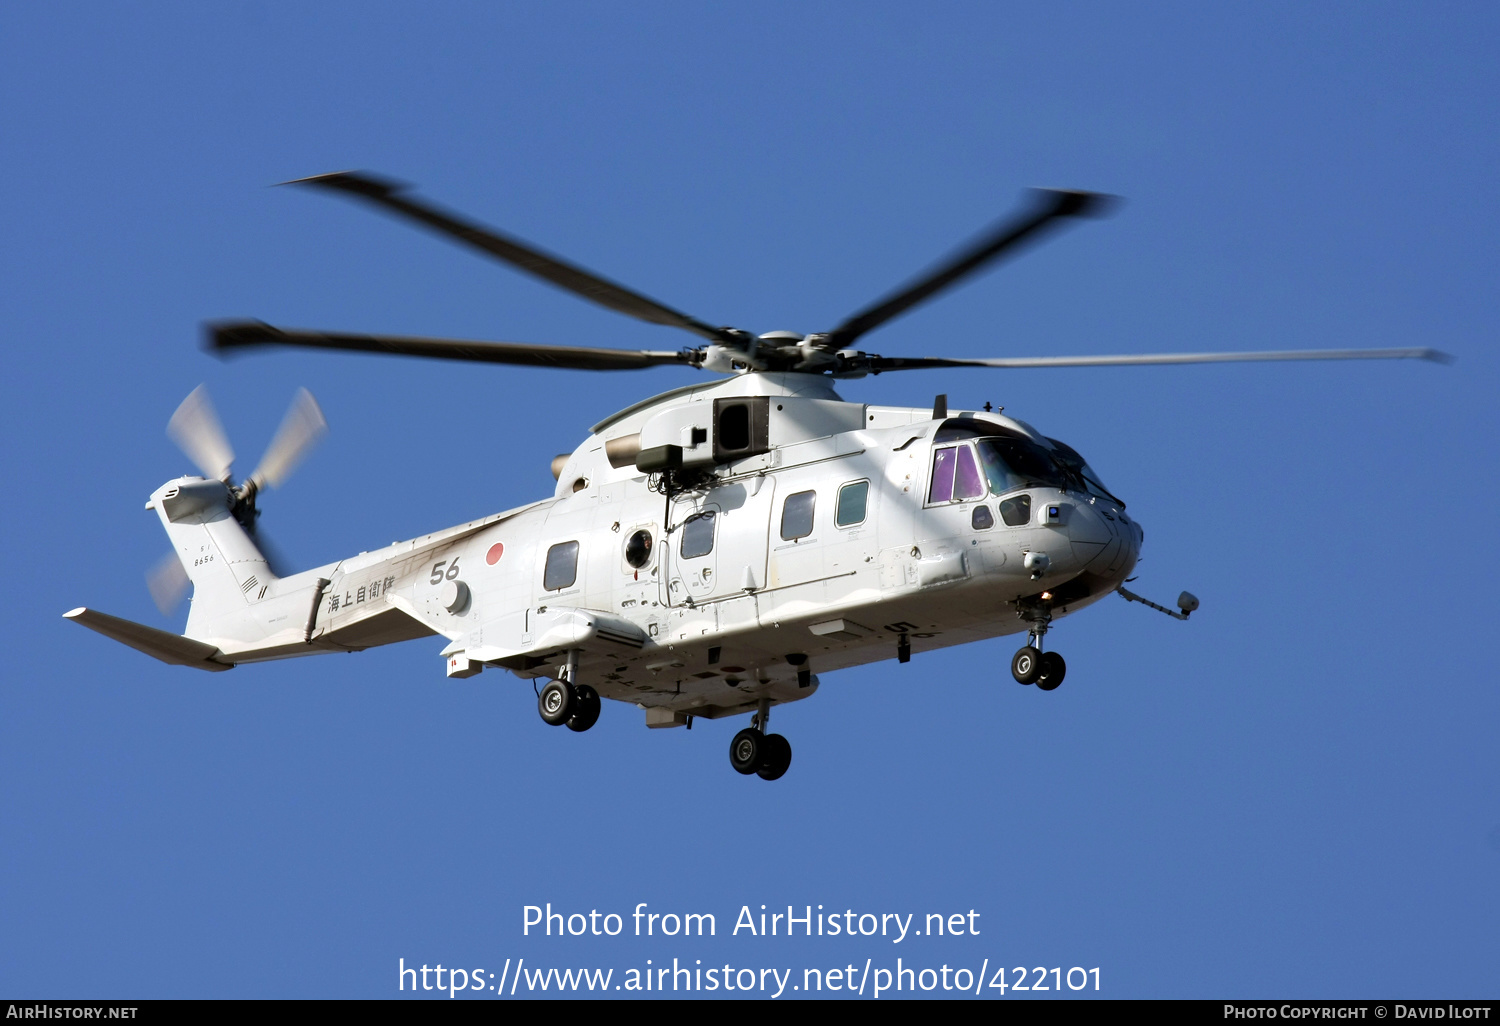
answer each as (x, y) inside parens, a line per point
(707, 552)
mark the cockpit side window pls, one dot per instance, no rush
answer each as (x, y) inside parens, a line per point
(966, 483)
(955, 475)
(944, 463)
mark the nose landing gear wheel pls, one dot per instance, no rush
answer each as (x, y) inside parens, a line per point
(1026, 665)
(1053, 670)
(777, 758)
(586, 710)
(558, 702)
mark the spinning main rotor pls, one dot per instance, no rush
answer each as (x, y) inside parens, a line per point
(729, 349)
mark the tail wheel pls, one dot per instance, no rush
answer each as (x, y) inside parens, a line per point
(586, 712)
(746, 750)
(1053, 669)
(777, 757)
(557, 702)
(1026, 665)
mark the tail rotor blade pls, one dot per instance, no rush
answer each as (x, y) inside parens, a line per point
(300, 430)
(168, 583)
(196, 429)
(275, 555)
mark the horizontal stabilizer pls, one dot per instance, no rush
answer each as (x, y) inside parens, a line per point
(169, 648)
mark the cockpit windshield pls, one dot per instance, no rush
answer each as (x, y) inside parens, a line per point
(1012, 463)
(1074, 463)
(1009, 462)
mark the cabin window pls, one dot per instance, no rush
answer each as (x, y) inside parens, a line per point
(638, 549)
(562, 566)
(698, 535)
(853, 498)
(983, 519)
(797, 515)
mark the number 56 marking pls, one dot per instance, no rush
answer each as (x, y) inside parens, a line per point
(437, 571)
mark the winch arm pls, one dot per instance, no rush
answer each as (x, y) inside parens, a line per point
(1187, 602)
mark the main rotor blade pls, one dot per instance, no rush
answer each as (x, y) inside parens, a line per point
(228, 336)
(196, 429)
(880, 364)
(1052, 205)
(521, 255)
(300, 430)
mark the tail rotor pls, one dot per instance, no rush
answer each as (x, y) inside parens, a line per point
(198, 432)
(168, 583)
(301, 429)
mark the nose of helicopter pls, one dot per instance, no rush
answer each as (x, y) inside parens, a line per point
(1134, 534)
(1105, 541)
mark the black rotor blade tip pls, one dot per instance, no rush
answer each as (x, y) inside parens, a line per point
(1074, 203)
(223, 337)
(359, 182)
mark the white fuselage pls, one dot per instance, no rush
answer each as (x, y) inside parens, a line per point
(828, 547)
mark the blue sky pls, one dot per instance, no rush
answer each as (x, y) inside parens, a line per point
(1292, 794)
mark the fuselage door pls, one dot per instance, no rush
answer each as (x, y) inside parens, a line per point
(744, 520)
(717, 549)
(689, 553)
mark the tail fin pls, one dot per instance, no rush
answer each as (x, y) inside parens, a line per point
(226, 568)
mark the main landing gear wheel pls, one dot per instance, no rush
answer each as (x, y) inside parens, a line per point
(558, 702)
(1053, 669)
(1026, 665)
(777, 757)
(766, 755)
(746, 750)
(586, 711)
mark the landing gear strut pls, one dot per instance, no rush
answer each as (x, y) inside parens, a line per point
(1030, 665)
(754, 751)
(563, 701)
